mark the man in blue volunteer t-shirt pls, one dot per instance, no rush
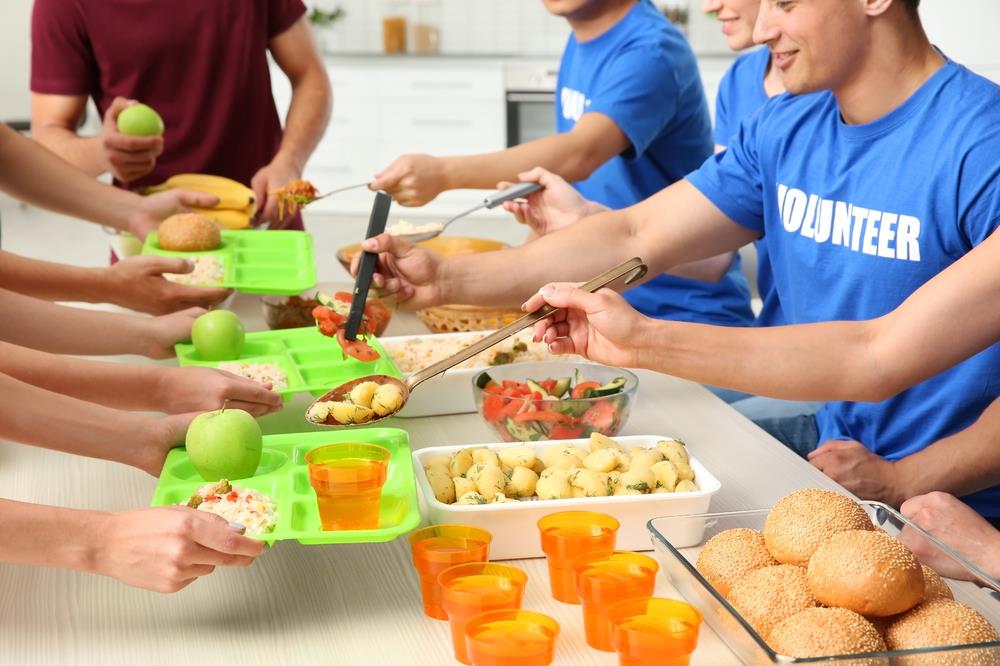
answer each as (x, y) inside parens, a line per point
(631, 118)
(863, 191)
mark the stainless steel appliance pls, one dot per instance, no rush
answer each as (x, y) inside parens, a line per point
(530, 100)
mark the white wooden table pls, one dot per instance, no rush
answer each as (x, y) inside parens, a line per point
(343, 605)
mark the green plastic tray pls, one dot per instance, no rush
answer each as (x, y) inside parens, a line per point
(312, 362)
(258, 262)
(284, 476)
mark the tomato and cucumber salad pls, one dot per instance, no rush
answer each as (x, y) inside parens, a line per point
(553, 408)
(331, 318)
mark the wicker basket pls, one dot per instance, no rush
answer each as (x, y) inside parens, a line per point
(460, 318)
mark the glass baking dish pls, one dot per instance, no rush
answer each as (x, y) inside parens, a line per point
(978, 590)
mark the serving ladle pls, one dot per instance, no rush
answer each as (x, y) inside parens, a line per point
(632, 270)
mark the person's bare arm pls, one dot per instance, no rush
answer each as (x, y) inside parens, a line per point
(413, 180)
(136, 283)
(297, 55)
(675, 226)
(54, 122)
(137, 387)
(36, 176)
(60, 329)
(941, 324)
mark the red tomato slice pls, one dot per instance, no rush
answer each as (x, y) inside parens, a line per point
(358, 349)
(561, 431)
(343, 297)
(493, 408)
(580, 390)
(601, 416)
(554, 417)
(548, 384)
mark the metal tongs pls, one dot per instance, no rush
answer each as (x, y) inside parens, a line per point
(632, 270)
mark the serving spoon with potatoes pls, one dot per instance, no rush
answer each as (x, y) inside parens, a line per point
(368, 399)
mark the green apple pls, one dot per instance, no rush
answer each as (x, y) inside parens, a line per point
(224, 444)
(140, 120)
(218, 336)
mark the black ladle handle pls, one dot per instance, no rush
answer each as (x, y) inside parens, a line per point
(376, 225)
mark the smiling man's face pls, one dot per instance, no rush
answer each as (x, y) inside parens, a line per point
(816, 44)
(737, 18)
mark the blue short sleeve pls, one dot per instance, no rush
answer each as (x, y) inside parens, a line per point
(723, 123)
(732, 179)
(637, 81)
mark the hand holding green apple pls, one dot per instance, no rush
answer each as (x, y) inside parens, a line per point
(218, 336)
(140, 120)
(224, 444)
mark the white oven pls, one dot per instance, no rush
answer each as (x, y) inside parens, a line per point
(530, 101)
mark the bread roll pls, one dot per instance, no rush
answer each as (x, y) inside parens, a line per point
(729, 556)
(188, 232)
(934, 585)
(867, 572)
(821, 632)
(802, 520)
(767, 596)
(942, 622)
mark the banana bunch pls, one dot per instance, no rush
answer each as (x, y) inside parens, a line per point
(236, 201)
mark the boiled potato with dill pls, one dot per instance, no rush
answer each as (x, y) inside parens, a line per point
(563, 456)
(673, 450)
(684, 472)
(645, 458)
(463, 486)
(347, 413)
(387, 399)
(603, 460)
(641, 480)
(553, 486)
(461, 462)
(438, 460)
(471, 498)
(522, 481)
(517, 456)
(441, 484)
(485, 456)
(593, 484)
(685, 486)
(490, 480)
(363, 393)
(599, 441)
(666, 475)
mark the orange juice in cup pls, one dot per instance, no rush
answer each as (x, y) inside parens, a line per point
(654, 632)
(510, 638)
(348, 480)
(438, 547)
(603, 580)
(476, 587)
(565, 536)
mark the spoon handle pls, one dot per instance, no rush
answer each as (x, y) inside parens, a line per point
(633, 268)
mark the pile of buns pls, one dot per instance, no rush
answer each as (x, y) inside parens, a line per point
(822, 580)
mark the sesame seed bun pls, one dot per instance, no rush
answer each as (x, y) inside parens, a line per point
(802, 520)
(188, 232)
(767, 596)
(820, 632)
(942, 622)
(730, 555)
(867, 572)
(934, 585)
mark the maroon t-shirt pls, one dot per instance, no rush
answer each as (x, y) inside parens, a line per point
(202, 64)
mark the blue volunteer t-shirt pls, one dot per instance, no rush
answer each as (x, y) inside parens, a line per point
(857, 217)
(741, 93)
(642, 74)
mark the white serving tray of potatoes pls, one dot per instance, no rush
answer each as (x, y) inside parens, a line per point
(506, 488)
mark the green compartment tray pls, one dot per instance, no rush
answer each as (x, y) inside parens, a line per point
(284, 476)
(312, 362)
(258, 262)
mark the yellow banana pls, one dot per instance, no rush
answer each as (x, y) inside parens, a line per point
(232, 195)
(226, 217)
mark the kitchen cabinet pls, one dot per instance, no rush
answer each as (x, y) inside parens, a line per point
(386, 107)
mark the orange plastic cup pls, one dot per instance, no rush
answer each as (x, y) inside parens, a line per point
(603, 580)
(476, 587)
(511, 638)
(438, 547)
(348, 480)
(660, 632)
(567, 535)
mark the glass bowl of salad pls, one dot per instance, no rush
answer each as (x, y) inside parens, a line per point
(528, 402)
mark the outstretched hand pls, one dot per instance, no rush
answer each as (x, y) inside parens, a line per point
(406, 271)
(555, 206)
(138, 283)
(600, 326)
